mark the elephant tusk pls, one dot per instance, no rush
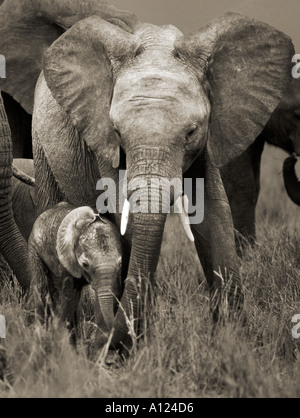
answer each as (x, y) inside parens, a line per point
(124, 188)
(116, 158)
(182, 203)
(125, 216)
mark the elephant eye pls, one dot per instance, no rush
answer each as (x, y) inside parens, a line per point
(175, 53)
(191, 132)
(85, 265)
(138, 51)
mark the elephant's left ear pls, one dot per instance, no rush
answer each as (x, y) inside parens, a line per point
(67, 236)
(248, 66)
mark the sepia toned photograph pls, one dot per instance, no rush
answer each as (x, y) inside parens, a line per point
(149, 201)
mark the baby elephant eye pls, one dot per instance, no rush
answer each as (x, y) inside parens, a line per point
(85, 265)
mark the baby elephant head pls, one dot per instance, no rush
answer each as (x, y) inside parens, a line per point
(89, 247)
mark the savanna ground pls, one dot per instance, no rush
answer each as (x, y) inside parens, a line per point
(180, 356)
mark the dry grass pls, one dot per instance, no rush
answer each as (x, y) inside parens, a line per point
(180, 356)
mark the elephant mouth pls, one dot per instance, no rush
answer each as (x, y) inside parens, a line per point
(80, 283)
(86, 279)
(146, 100)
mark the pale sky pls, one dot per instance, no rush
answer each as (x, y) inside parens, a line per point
(189, 15)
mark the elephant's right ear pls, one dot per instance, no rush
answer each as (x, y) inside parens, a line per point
(78, 72)
(67, 236)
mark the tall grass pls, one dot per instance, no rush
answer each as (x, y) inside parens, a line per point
(180, 355)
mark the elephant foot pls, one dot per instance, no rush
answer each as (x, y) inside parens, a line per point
(92, 339)
(113, 360)
(227, 301)
(2, 360)
(242, 242)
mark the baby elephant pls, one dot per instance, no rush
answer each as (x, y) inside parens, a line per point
(76, 261)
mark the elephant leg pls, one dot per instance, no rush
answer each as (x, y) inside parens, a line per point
(202, 244)
(41, 289)
(70, 294)
(68, 305)
(241, 179)
(215, 244)
(5, 271)
(204, 250)
(48, 193)
(2, 357)
(243, 205)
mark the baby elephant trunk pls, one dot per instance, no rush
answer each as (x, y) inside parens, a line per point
(108, 291)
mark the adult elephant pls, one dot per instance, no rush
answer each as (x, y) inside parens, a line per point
(47, 21)
(241, 177)
(174, 104)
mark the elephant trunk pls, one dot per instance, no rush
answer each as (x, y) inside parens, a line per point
(106, 282)
(291, 182)
(148, 227)
(147, 238)
(12, 244)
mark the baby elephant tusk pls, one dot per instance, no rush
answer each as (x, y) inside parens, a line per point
(125, 216)
(182, 203)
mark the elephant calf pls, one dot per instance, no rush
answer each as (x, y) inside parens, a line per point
(75, 259)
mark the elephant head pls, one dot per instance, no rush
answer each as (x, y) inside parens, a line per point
(164, 99)
(89, 246)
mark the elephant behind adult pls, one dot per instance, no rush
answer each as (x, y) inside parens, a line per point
(27, 29)
(175, 104)
(288, 137)
(241, 177)
(12, 244)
